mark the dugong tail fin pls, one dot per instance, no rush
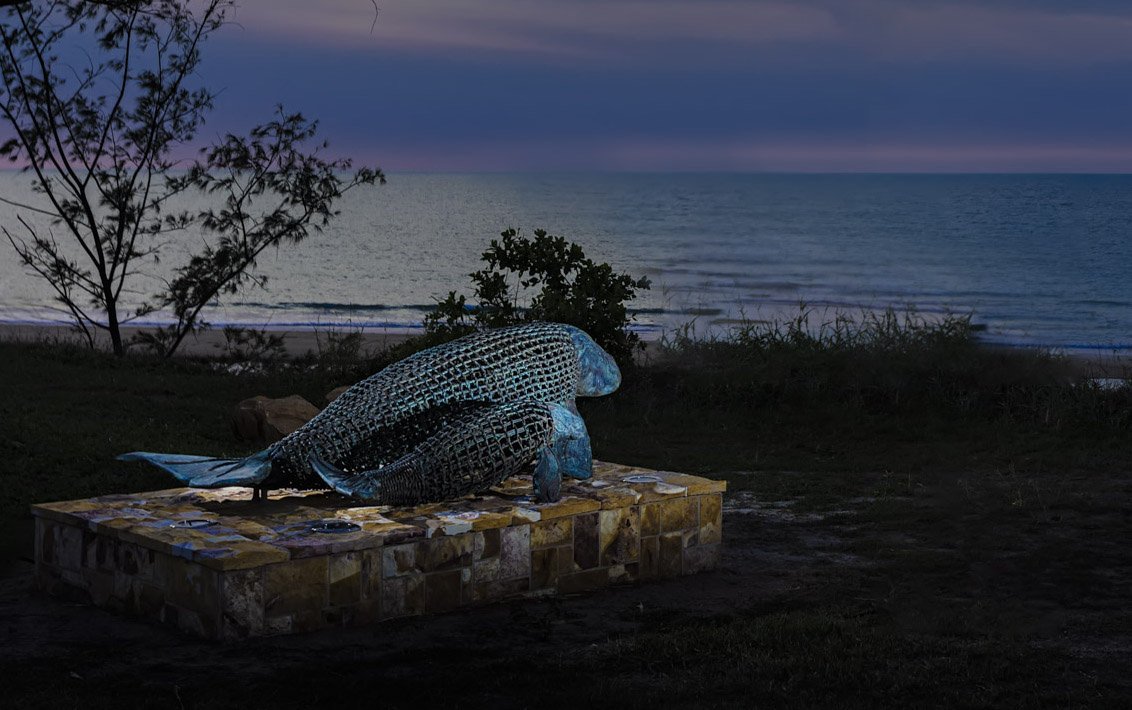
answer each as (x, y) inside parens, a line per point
(208, 472)
(365, 485)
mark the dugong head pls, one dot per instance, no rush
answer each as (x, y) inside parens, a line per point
(598, 372)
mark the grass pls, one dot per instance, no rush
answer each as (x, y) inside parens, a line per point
(881, 393)
(929, 522)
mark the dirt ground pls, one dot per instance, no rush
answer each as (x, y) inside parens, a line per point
(810, 608)
(768, 556)
(967, 548)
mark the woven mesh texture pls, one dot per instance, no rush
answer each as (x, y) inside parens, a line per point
(392, 442)
(471, 452)
(534, 362)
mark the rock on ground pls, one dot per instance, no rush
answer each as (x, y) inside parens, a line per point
(266, 420)
(334, 393)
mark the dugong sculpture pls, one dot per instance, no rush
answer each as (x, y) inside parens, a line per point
(396, 424)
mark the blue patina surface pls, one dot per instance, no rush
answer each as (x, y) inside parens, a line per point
(450, 420)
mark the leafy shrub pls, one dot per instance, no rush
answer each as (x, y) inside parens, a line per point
(252, 345)
(572, 288)
(882, 363)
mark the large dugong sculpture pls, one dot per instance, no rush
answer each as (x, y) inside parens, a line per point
(410, 422)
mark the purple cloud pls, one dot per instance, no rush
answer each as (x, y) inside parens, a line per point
(600, 30)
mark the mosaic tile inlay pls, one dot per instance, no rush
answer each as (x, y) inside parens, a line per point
(217, 564)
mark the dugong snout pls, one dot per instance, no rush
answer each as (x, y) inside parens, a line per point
(598, 372)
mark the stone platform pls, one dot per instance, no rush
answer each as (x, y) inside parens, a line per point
(219, 565)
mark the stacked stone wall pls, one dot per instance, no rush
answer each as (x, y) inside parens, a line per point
(217, 565)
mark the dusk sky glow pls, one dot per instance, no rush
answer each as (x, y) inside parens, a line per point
(807, 85)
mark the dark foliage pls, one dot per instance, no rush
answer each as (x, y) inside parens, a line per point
(571, 288)
(98, 98)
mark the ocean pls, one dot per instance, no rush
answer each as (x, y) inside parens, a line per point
(1036, 260)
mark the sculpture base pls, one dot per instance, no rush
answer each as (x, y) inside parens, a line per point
(217, 564)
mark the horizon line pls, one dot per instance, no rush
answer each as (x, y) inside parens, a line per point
(709, 171)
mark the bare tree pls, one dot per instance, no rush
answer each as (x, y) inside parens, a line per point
(98, 97)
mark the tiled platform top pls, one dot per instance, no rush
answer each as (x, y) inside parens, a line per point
(224, 529)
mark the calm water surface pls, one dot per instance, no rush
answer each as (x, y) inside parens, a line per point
(1037, 260)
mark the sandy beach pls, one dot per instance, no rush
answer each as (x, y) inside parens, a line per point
(211, 342)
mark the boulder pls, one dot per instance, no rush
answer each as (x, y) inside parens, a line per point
(333, 394)
(266, 420)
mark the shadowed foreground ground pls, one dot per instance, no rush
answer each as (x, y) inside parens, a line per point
(870, 559)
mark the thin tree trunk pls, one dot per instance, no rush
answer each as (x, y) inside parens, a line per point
(116, 337)
(112, 320)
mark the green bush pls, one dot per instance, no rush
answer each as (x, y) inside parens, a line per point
(882, 364)
(252, 345)
(572, 289)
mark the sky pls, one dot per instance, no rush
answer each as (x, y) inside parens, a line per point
(692, 85)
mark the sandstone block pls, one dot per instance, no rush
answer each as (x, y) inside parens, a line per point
(586, 552)
(402, 596)
(711, 518)
(552, 532)
(260, 568)
(515, 552)
(344, 578)
(671, 554)
(296, 586)
(619, 536)
(266, 420)
(679, 514)
(242, 604)
(443, 591)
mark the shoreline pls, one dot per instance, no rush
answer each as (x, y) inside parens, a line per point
(211, 342)
(1097, 362)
